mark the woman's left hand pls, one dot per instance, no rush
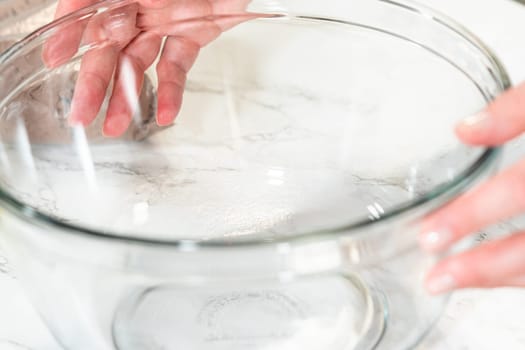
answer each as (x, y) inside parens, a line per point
(125, 42)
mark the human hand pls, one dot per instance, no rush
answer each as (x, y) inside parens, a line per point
(494, 264)
(132, 37)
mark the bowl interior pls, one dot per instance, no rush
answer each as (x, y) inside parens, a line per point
(289, 124)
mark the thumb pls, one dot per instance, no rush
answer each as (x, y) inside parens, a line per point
(501, 121)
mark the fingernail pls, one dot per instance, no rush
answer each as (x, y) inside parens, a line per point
(441, 283)
(165, 119)
(75, 120)
(434, 241)
(477, 121)
(116, 125)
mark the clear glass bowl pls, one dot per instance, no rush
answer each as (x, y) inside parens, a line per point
(279, 211)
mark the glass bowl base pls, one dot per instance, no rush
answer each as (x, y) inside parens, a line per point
(326, 312)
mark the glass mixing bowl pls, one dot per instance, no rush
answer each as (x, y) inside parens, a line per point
(279, 211)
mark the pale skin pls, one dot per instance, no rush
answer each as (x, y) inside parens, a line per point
(495, 264)
(139, 49)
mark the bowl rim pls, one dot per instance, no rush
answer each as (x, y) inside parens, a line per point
(462, 181)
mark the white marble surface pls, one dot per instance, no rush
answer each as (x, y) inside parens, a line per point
(474, 320)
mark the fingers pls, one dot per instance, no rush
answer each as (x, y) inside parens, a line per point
(155, 4)
(99, 62)
(203, 30)
(120, 27)
(62, 45)
(116, 26)
(500, 198)
(182, 17)
(188, 25)
(495, 264)
(133, 62)
(503, 120)
(174, 11)
(154, 14)
(93, 79)
(176, 59)
(230, 6)
(65, 7)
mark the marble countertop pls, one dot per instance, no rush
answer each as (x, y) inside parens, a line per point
(474, 319)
